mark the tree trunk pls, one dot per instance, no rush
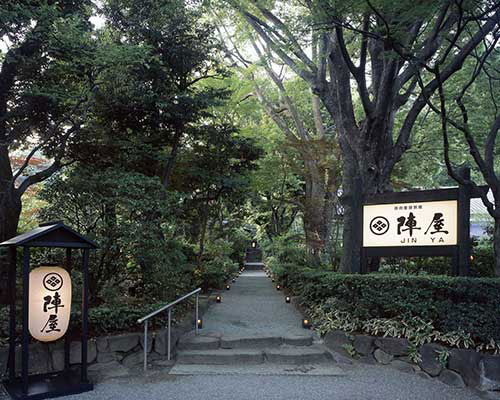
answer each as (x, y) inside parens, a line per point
(10, 212)
(319, 207)
(352, 200)
(496, 246)
(10, 202)
(365, 172)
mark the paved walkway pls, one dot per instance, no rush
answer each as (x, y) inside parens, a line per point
(253, 307)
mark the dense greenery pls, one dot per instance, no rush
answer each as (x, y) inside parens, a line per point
(173, 132)
(155, 171)
(448, 305)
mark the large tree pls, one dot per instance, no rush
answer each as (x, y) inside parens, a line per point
(161, 98)
(370, 57)
(469, 108)
(305, 127)
(46, 85)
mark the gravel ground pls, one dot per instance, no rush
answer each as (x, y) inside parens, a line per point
(253, 307)
(362, 382)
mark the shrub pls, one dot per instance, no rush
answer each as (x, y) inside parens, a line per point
(450, 304)
(287, 249)
(417, 265)
(483, 261)
(106, 320)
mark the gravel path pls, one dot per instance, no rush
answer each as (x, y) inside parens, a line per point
(361, 382)
(253, 307)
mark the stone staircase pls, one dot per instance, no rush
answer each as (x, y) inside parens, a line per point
(253, 331)
(254, 266)
(225, 350)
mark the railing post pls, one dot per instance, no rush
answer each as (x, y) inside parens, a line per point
(168, 333)
(145, 345)
(196, 318)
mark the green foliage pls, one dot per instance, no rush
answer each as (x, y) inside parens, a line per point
(349, 348)
(417, 265)
(286, 249)
(464, 311)
(482, 264)
(121, 318)
(443, 356)
(4, 326)
(483, 258)
(109, 319)
(217, 266)
(128, 215)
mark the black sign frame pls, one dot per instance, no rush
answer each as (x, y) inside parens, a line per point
(460, 252)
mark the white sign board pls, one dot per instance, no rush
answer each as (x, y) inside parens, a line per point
(430, 223)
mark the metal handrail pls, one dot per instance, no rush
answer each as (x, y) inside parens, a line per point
(169, 308)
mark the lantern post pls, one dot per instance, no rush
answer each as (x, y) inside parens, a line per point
(46, 292)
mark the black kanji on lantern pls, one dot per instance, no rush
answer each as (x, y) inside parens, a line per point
(51, 324)
(52, 303)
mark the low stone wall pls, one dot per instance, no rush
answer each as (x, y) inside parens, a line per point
(455, 367)
(107, 357)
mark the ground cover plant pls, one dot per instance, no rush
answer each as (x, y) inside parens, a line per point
(457, 311)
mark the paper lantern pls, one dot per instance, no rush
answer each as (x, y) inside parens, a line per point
(49, 303)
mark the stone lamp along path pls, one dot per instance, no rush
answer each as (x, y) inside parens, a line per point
(253, 331)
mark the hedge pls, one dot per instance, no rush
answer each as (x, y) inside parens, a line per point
(450, 303)
(107, 320)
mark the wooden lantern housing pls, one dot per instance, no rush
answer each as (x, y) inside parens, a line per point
(66, 382)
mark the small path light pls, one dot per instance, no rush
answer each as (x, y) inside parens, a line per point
(228, 287)
(306, 324)
(218, 299)
(472, 258)
(287, 299)
(272, 280)
(278, 287)
(199, 323)
(234, 280)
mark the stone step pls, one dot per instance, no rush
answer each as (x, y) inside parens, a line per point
(213, 342)
(298, 355)
(190, 342)
(259, 342)
(325, 369)
(220, 357)
(290, 355)
(254, 266)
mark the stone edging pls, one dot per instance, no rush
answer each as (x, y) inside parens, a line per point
(108, 357)
(457, 367)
